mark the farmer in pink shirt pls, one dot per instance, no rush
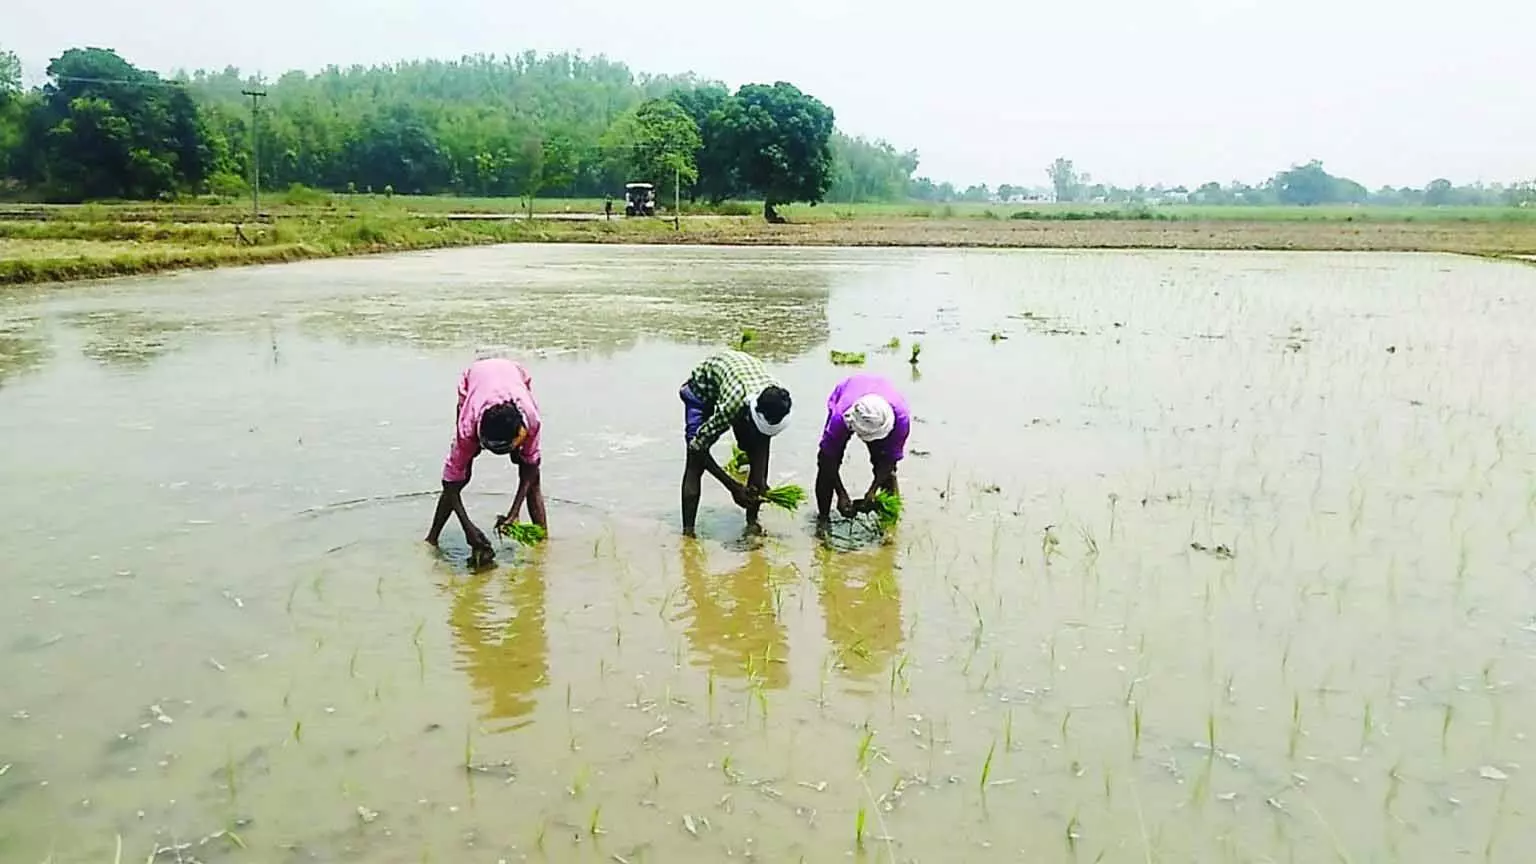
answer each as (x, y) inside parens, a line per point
(870, 407)
(497, 412)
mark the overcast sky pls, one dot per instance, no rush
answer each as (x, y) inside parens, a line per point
(1176, 91)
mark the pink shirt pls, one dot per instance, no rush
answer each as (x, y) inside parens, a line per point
(485, 383)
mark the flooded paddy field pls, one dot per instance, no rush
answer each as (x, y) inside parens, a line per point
(1205, 557)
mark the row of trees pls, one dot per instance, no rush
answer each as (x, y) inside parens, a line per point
(498, 126)
(1300, 185)
(527, 125)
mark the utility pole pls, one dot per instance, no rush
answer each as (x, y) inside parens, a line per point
(256, 97)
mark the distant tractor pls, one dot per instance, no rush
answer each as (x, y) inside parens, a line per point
(639, 199)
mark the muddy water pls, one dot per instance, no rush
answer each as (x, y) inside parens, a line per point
(1216, 557)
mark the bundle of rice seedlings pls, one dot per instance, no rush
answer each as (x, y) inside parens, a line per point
(789, 496)
(917, 348)
(847, 358)
(739, 463)
(523, 533)
(887, 508)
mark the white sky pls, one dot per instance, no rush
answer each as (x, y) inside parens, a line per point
(1173, 91)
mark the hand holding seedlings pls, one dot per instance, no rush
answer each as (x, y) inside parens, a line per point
(521, 533)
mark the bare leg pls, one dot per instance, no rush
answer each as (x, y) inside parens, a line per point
(693, 474)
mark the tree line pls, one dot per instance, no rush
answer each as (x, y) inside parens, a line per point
(556, 125)
(524, 125)
(1306, 184)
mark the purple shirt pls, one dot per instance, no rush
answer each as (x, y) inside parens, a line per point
(834, 438)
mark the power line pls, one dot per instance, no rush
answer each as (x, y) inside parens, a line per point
(175, 85)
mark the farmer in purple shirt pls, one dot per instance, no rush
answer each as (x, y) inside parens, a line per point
(870, 407)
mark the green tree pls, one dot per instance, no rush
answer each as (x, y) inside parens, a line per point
(716, 163)
(10, 75)
(658, 142)
(1305, 185)
(976, 193)
(1438, 193)
(868, 170)
(13, 113)
(1064, 179)
(105, 129)
(781, 140)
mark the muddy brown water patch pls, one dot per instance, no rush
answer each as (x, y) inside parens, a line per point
(1164, 586)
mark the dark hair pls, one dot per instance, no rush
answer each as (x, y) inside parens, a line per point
(500, 424)
(773, 403)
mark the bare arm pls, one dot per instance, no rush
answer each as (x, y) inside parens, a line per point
(713, 469)
(451, 501)
(885, 473)
(530, 488)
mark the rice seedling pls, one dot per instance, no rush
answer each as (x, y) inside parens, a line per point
(847, 358)
(866, 747)
(748, 336)
(229, 774)
(1295, 725)
(787, 497)
(469, 748)
(917, 350)
(593, 825)
(858, 828)
(1210, 731)
(1445, 725)
(523, 533)
(986, 767)
(739, 464)
(578, 782)
(298, 731)
(894, 344)
(1136, 732)
(1366, 725)
(887, 509)
(1008, 732)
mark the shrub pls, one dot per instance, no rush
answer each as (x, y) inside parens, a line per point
(299, 195)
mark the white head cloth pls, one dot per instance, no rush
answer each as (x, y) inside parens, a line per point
(761, 422)
(871, 418)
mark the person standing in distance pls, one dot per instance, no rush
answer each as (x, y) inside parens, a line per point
(497, 413)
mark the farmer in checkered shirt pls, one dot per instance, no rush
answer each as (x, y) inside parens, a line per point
(735, 391)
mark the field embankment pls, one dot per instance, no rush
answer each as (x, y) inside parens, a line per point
(62, 243)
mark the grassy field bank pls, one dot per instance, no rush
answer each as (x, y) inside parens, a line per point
(40, 243)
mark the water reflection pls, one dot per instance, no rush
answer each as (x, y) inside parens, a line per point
(497, 622)
(21, 350)
(861, 604)
(733, 622)
(123, 337)
(601, 309)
